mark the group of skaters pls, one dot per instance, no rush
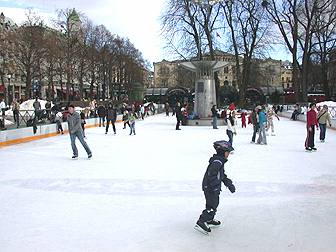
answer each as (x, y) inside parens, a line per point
(319, 118)
(261, 118)
(107, 114)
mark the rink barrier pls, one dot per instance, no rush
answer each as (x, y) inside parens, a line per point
(23, 135)
(303, 118)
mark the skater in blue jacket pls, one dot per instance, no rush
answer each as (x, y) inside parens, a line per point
(211, 186)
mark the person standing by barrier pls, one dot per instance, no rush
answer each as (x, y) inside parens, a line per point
(323, 117)
(48, 108)
(262, 127)
(111, 116)
(75, 130)
(83, 122)
(15, 109)
(58, 120)
(3, 109)
(37, 109)
(311, 123)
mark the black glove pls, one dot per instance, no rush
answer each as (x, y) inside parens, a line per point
(232, 188)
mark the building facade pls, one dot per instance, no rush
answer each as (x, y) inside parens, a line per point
(286, 74)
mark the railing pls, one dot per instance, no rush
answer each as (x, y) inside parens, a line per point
(331, 110)
(27, 118)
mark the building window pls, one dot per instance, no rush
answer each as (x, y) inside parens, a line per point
(226, 70)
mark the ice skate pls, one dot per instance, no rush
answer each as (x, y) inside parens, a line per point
(90, 156)
(314, 149)
(308, 149)
(74, 157)
(202, 227)
(214, 223)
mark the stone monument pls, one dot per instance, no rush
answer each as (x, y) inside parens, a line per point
(205, 90)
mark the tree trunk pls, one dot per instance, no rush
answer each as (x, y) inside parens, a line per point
(28, 84)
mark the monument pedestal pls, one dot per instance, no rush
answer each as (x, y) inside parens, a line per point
(205, 89)
(205, 122)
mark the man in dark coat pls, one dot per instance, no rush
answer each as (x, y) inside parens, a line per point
(102, 114)
(111, 116)
(178, 115)
(211, 186)
(255, 122)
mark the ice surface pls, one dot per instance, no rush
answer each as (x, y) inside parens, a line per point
(143, 192)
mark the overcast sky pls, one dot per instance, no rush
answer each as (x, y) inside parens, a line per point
(137, 20)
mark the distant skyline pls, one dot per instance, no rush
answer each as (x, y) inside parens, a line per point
(136, 20)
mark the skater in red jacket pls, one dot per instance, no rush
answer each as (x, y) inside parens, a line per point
(311, 123)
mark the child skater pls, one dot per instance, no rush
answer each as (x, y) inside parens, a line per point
(211, 186)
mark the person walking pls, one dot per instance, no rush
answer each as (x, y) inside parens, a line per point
(231, 129)
(178, 116)
(323, 117)
(255, 122)
(211, 186)
(76, 131)
(311, 123)
(111, 116)
(16, 109)
(214, 114)
(101, 114)
(262, 127)
(131, 119)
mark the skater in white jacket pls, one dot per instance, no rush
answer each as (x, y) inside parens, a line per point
(231, 129)
(269, 114)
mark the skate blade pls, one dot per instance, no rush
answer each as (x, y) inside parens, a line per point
(199, 229)
(213, 226)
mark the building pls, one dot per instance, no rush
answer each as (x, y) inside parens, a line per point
(286, 74)
(169, 74)
(10, 85)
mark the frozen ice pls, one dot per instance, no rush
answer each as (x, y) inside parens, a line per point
(143, 192)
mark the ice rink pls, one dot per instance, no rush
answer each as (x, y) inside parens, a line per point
(143, 192)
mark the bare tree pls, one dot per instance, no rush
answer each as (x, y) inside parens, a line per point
(324, 42)
(249, 32)
(27, 49)
(70, 24)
